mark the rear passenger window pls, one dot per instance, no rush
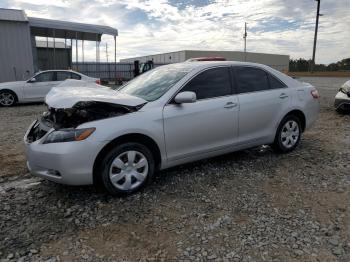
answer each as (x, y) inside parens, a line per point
(61, 75)
(75, 76)
(251, 79)
(275, 83)
(210, 83)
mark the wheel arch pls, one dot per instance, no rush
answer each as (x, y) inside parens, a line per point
(132, 137)
(300, 114)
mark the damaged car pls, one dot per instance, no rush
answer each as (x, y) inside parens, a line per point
(168, 116)
(342, 98)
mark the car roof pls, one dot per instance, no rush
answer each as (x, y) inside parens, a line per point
(59, 70)
(228, 63)
(207, 64)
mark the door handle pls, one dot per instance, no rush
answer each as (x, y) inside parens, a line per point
(230, 105)
(283, 95)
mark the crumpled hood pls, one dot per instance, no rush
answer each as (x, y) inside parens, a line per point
(12, 84)
(66, 96)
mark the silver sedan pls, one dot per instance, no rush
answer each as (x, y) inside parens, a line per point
(171, 115)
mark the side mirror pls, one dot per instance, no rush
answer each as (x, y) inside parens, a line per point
(32, 80)
(185, 97)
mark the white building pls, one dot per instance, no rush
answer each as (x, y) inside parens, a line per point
(279, 62)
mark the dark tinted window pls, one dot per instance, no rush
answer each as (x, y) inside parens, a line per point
(210, 83)
(75, 76)
(251, 79)
(275, 83)
(44, 77)
(61, 75)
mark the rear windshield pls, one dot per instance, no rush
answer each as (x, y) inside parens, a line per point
(153, 84)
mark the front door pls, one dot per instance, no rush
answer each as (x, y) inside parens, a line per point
(36, 90)
(209, 124)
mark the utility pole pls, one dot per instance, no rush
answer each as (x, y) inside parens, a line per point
(245, 41)
(107, 52)
(109, 68)
(315, 38)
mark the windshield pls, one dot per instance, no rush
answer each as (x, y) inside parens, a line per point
(155, 83)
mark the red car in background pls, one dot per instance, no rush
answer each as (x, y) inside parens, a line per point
(209, 58)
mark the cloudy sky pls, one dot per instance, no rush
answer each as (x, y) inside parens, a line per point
(156, 26)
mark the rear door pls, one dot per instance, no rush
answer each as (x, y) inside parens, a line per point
(209, 124)
(36, 91)
(263, 99)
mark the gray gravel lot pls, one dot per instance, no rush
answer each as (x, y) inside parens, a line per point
(252, 205)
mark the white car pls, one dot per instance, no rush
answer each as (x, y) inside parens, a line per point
(36, 88)
(342, 98)
(170, 115)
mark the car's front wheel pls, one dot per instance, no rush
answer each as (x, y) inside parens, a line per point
(7, 98)
(288, 134)
(127, 168)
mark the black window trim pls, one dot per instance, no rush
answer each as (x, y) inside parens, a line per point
(234, 73)
(64, 71)
(73, 73)
(45, 72)
(171, 100)
(278, 80)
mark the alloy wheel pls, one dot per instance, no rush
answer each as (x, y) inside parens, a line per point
(6, 99)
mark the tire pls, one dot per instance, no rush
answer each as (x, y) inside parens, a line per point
(119, 173)
(7, 98)
(288, 134)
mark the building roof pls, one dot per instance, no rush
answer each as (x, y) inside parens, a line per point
(63, 29)
(13, 15)
(56, 28)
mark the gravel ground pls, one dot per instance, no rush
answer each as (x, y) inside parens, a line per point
(252, 205)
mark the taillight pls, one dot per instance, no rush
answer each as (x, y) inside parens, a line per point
(98, 81)
(315, 94)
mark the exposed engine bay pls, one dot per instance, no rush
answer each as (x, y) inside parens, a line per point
(81, 112)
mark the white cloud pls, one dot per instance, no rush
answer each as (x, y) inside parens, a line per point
(155, 26)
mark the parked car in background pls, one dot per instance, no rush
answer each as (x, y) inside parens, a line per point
(168, 116)
(36, 88)
(342, 98)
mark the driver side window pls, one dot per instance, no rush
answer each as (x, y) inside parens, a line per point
(44, 77)
(211, 83)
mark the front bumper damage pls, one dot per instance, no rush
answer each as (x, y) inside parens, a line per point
(68, 163)
(71, 162)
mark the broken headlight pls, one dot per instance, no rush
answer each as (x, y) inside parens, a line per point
(68, 135)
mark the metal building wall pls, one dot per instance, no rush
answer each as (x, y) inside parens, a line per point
(45, 60)
(16, 58)
(279, 62)
(166, 58)
(107, 71)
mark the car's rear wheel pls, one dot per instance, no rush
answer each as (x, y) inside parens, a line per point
(7, 98)
(127, 168)
(288, 134)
